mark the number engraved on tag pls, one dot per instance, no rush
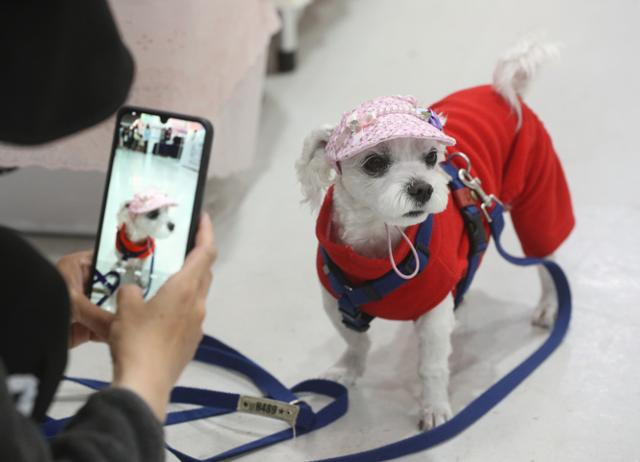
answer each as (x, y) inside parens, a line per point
(269, 408)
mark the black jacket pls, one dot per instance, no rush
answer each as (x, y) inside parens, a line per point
(115, 425)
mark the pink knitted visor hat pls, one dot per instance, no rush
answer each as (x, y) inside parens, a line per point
(148, 201)
(381, 119)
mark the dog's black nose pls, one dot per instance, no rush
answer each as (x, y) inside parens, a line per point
(420, 191)
(170, 226)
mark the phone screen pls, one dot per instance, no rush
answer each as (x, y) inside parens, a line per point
(152, 201)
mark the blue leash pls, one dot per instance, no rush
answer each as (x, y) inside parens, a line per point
(213, 403)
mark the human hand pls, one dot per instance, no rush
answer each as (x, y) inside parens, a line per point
(88, 321)
(151, 343)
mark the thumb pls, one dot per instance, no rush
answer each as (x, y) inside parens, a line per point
(130, 294)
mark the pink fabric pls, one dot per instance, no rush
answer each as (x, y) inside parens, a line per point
(148, 201)
(190, 58)
(382, 119)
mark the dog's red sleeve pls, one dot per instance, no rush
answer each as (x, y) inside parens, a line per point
(519, 165)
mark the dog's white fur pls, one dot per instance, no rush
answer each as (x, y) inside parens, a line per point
(362, 206)
(518, 66)
(138, 227)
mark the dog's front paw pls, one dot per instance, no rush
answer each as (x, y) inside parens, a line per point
(545, 313)
(434, 415)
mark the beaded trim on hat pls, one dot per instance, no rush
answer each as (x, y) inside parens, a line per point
(358, 120)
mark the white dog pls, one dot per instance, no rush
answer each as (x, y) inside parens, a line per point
(141, 221)
(381, 164)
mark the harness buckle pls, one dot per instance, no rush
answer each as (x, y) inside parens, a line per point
(353, 317)
(477, 236)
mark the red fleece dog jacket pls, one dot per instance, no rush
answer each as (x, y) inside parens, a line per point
(519, 166)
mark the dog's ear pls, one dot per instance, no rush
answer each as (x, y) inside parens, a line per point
(315, 173)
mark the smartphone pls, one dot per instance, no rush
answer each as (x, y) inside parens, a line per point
(152, 199)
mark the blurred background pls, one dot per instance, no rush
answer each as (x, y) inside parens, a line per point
(266, 73)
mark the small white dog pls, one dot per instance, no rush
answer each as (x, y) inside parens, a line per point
(381, 165)
(141, 221)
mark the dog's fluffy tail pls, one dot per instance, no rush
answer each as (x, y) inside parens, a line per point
(517, 67)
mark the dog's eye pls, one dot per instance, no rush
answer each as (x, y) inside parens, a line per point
(153, 214)
(431, 157)
(376, 164)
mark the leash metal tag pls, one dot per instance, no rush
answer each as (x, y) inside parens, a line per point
(271, 408)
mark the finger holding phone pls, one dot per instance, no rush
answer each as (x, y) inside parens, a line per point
(152, 342)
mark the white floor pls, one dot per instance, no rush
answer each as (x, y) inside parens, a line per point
(584, 402)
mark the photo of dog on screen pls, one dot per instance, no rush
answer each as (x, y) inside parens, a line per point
(141, 221)
(148, 210)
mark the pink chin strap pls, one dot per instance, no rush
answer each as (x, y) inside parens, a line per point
(413, 250)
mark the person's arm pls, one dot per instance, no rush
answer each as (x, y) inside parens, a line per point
(20, 439)
(151, 343)
(114, 425)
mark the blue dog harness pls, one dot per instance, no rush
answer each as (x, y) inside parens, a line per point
(284, 404)
(351, 299)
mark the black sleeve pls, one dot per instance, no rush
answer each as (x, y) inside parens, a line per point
(115, 425)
